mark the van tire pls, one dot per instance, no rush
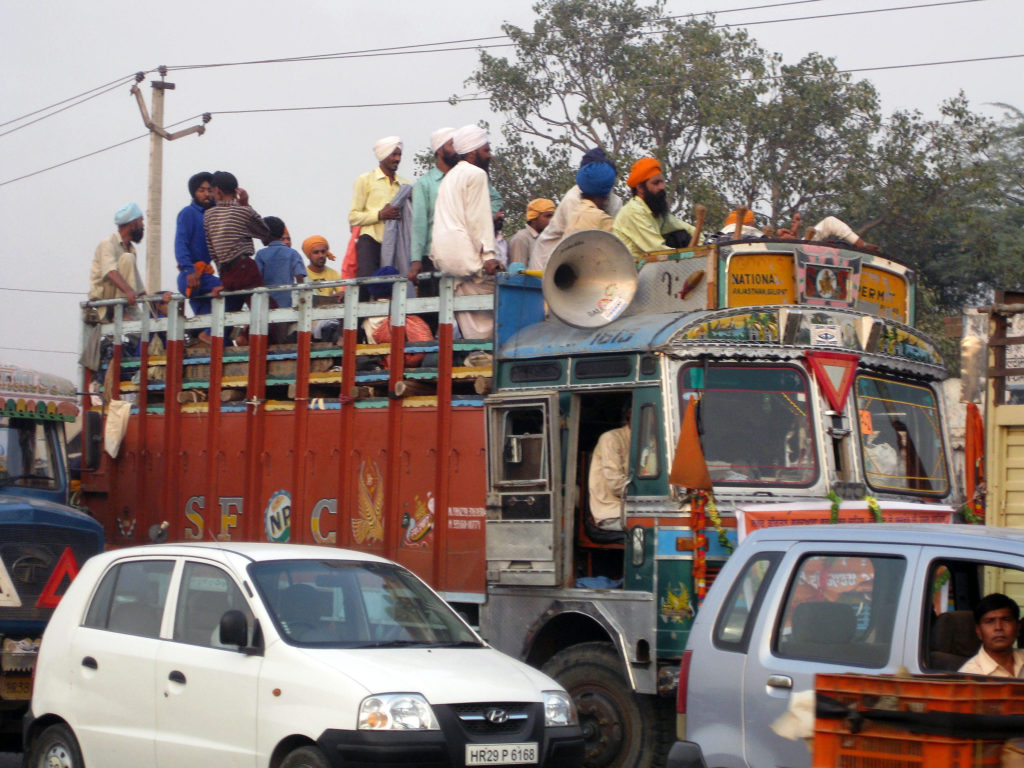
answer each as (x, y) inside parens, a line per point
(56, 746)
(305, 757)
(621, 729)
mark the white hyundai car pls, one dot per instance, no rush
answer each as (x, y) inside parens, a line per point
(279, 656)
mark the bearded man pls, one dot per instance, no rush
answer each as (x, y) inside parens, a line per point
(644, 224)
(196, 278)
(114, 273)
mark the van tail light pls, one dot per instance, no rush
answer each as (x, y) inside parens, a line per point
(684, 682)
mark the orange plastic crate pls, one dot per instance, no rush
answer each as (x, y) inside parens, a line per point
(883, 746)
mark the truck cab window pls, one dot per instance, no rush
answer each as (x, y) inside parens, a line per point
(28, 454)
(523, 456)
(900, 437)
(738, 401)
(649, 464)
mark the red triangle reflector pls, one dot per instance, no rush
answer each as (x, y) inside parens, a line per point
(66, 568)
(834, 372)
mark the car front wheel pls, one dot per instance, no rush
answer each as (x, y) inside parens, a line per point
(303, 757)
(56, 747)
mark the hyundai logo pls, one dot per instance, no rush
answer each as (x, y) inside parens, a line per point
(496, 716)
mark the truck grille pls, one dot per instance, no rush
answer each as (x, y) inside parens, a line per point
(495, 718)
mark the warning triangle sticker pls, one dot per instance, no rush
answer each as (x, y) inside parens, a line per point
(834, 372)
(66, 568)
(8, 594)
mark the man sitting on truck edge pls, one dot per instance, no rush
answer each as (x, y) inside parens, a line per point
(114, 273)
(196, 278)
(644, 224)
(997, 622)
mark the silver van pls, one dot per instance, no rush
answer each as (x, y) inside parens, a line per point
(795, 601)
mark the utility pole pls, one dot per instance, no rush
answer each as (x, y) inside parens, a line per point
(157, 135)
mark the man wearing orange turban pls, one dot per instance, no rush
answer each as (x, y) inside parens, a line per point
(644, 224)
(318, 252)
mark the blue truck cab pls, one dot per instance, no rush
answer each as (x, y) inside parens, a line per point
(43, 540)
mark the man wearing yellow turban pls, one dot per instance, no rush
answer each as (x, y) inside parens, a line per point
(644, 224)
(538, 215)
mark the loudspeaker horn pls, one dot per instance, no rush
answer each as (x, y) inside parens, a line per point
(590, 279)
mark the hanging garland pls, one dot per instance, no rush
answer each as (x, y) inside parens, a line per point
(873, 508)
(716, 523)
(836, 501)
(698, 506)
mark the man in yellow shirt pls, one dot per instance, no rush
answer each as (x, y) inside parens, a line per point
(371, 204)
(644, 224)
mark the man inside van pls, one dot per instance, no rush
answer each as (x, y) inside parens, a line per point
(997, 622)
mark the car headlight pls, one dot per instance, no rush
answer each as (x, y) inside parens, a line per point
(396, 712)
(559, 709)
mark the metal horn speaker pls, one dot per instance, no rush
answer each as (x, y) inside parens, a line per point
(590, 279)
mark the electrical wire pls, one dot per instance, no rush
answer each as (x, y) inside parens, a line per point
(477, 98)
(47, 351)
(62, 109)
(114, 83)
(38, 290)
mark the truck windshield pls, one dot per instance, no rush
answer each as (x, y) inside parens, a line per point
(28, 454)
(900, 437)
(351, 604)
(755, 423)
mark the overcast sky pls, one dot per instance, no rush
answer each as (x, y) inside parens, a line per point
(301, 165)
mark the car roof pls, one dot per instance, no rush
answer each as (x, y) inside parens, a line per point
(927, 534)
(255, 551)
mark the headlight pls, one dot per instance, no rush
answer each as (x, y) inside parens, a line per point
(396, 712)
(559, 709)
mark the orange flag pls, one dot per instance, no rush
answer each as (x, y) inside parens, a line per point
(689, 470)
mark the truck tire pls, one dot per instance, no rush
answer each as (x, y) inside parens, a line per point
(56, 747)
(621, 729)
(305, 757)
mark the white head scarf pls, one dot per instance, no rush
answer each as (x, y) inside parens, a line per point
(386, 146)
(470, 137)
(439, 138)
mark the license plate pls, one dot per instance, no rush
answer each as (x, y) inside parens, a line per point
(16, 688)
(501, 754)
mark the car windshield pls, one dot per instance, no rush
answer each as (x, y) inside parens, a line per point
(28, 453)
(900, 436)
(755, 423)
(351, 604)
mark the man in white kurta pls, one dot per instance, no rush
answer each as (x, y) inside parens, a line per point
(609, 473)
(462, 241)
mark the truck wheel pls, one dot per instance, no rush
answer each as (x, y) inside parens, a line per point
(304, 757)
(621, 729)
(56, 747)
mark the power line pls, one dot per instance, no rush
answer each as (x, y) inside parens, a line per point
(481, 98)
(849, 13)
(38, 290)
(47, 351)
(113, 83)
(62, 109)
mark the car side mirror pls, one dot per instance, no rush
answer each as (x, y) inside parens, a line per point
(234, 630)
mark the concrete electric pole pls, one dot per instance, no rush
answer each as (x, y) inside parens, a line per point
(157, 135)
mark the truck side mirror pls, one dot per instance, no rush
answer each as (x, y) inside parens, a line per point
(92, 440)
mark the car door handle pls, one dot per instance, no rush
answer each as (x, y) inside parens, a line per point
(90, 662)
(176, 677)
(780, 681)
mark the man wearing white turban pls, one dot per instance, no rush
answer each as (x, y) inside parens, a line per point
(463, 233)
(424, 197)
(371, 204)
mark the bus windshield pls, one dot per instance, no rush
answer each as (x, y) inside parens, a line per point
(28, 454)
(755, 423)
(900, 437)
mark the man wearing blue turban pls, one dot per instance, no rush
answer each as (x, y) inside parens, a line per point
(114, 273)
(595, 181)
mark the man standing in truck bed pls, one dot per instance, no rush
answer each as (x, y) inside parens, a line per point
(114, 273)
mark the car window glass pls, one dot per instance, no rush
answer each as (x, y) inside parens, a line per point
(739, 612)
(954, 587)
(355, 604)
(206, 593)
(131, 597)
(841, 609)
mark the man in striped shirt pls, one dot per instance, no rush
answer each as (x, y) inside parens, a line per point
(230, 225)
